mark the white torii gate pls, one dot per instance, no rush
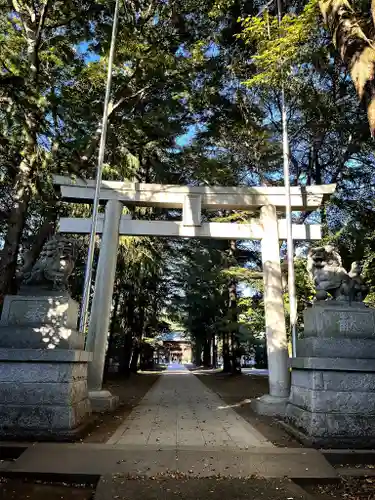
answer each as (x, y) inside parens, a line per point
(268, 229)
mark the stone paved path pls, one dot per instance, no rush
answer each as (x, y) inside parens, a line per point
(179, 411)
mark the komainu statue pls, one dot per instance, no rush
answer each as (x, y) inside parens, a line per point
(54, 265)
(331, 280)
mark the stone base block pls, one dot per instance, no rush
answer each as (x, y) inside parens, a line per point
(41, 435)
(103, 401)
(328, 430)
(43, 393)
(362, 348)
(339, 320)
(332, 402)
(270, 406)
(43, 418)
(329, 380)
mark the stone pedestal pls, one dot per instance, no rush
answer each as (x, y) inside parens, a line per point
(40, 322)
(43, 369)
(332, 399)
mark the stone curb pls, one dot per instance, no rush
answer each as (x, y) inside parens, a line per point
(94, 460)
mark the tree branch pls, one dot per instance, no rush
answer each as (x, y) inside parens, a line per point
(95, 139)
(140, 93)
(42, 19)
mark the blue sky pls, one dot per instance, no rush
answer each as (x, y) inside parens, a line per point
(83, 48)
(187, 138)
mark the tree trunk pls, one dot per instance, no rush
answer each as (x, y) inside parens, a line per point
(45, 231)
(17, 216)
(12, 240)
(198, 354)
(233, 353)
(214, 351)
(233, 313)
(135, 357)
(33, 24)
(112, 329)
(356, 49)
(138, 327)
(207, 353)
(127, 348)
(126, 354)
(226, 354)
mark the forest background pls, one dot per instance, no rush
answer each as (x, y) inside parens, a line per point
(195, 100)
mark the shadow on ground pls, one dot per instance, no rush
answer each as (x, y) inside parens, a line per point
(238, 391)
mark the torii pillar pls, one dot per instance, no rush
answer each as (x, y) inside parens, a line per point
(102, 400)
(274, 403)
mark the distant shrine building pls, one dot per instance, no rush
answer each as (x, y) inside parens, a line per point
(174, 347)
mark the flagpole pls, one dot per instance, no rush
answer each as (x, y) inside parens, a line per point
(99, 172)
(288, 211)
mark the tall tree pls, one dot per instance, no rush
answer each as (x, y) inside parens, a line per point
(37, 54)
(352, 26)
(53, 71)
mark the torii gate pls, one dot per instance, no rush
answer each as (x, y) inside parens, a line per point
(269, 229)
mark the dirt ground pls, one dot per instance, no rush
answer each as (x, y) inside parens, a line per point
(185, 488)
(16, 489)
(346, 489)
(130, 392)
(238, 391)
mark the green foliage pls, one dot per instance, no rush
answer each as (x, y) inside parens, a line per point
(220, 6)
(179, 67)
(252, 278)
(252, 317)
(280, 47)
(199, 301)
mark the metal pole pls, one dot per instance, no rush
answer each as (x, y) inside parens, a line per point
(288, 212)
(99, 171)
